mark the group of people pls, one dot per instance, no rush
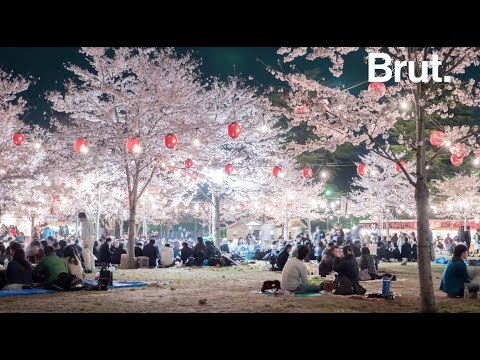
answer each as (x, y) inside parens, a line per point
(11, 233)
(37, 264)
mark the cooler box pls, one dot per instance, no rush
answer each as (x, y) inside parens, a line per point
(124, 261)
(143, 262)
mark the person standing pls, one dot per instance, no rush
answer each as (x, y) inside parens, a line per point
(86, 236)
(468, 239)
(476, 241)
(461, 235)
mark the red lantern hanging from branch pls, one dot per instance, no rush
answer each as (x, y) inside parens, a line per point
(398, 168)
(81, 146)
(436, 138)
(302, 109)
(308, 172)
(229, 168)
(378, 88)
(234, 130)
(361, 169)
(170, 141)
(459, 150)
(188, 163)
(277, 171)
(457, 161)
(133, 146)
(18, 138)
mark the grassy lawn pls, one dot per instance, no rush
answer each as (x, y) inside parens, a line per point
(230, 290)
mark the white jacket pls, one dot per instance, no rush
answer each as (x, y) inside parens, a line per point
(166, 256)
(87, 231)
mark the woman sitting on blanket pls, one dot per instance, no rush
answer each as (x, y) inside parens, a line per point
(19, 271)
(455, 274)
(347, 265)
(325, 266)
(368, 270)
(71, 258)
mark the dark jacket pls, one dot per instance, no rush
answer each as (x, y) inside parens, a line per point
(185, 253)
(414, 251)
(138, 251)
(212, 251)
(199, 247)
(281, 259)
(117, 255)
(368, 262)
(104, 254)
(406, 251)
(17, 274)
(454, 277)
(224, 248)
(326, 265)
(396, 254)
(468, 237)
(152, 252)
(356, 251)
(347, 266)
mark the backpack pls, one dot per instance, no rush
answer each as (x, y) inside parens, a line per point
(67, 282)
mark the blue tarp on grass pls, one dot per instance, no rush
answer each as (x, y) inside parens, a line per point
(116, 285)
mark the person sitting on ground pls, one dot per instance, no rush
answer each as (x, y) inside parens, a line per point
(356, 249)
(176, 249)
(51, 241)
(49, 267)
(19, 270)
(3, 254)
(282, 258)
(151, 251)
(326, 265)
(347, 265)
(104, 253)
(295, 274)
(61, 247)
(35, 252)
(185, 253)
(44, 244)
(72, 260)
(199, 251)
(166, 256)
(224, 246)
(117, 253)
(138, 249)
(212, 251)
(455, 274)
(368, 270)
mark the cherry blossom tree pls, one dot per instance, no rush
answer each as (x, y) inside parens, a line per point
(22, 160)
(459, 196)
(382, 190)
(364, 118)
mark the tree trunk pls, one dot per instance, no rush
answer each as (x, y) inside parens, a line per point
(32, 227)
(285, 226)
(131, 236)
(216, 218)
(427, 297)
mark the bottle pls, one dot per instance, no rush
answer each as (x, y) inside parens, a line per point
(5, 264)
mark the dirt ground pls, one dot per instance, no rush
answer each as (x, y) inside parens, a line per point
(230, 290)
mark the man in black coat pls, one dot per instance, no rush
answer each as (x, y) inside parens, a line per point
(283, 257)
(199, 251)
(406, 251)
(104, 254)
(347, 265)
(185, 252)
(138, 249)
(151, 251)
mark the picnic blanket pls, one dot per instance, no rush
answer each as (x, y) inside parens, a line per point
(116, 285)
(281, 294)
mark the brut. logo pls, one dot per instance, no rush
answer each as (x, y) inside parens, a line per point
(398, 65)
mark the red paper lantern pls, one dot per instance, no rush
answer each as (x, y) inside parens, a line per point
(229, 168)
(459, 150)
(188, 163)
(436, 138)
(361, 169)
(457, 161)
(133, 145)
(378, 87)
(170, 141)
(18, 138)
(302, 109)
(81, 145)
(277, 171)
(234, 130)
(398, 168)
(308, 172)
